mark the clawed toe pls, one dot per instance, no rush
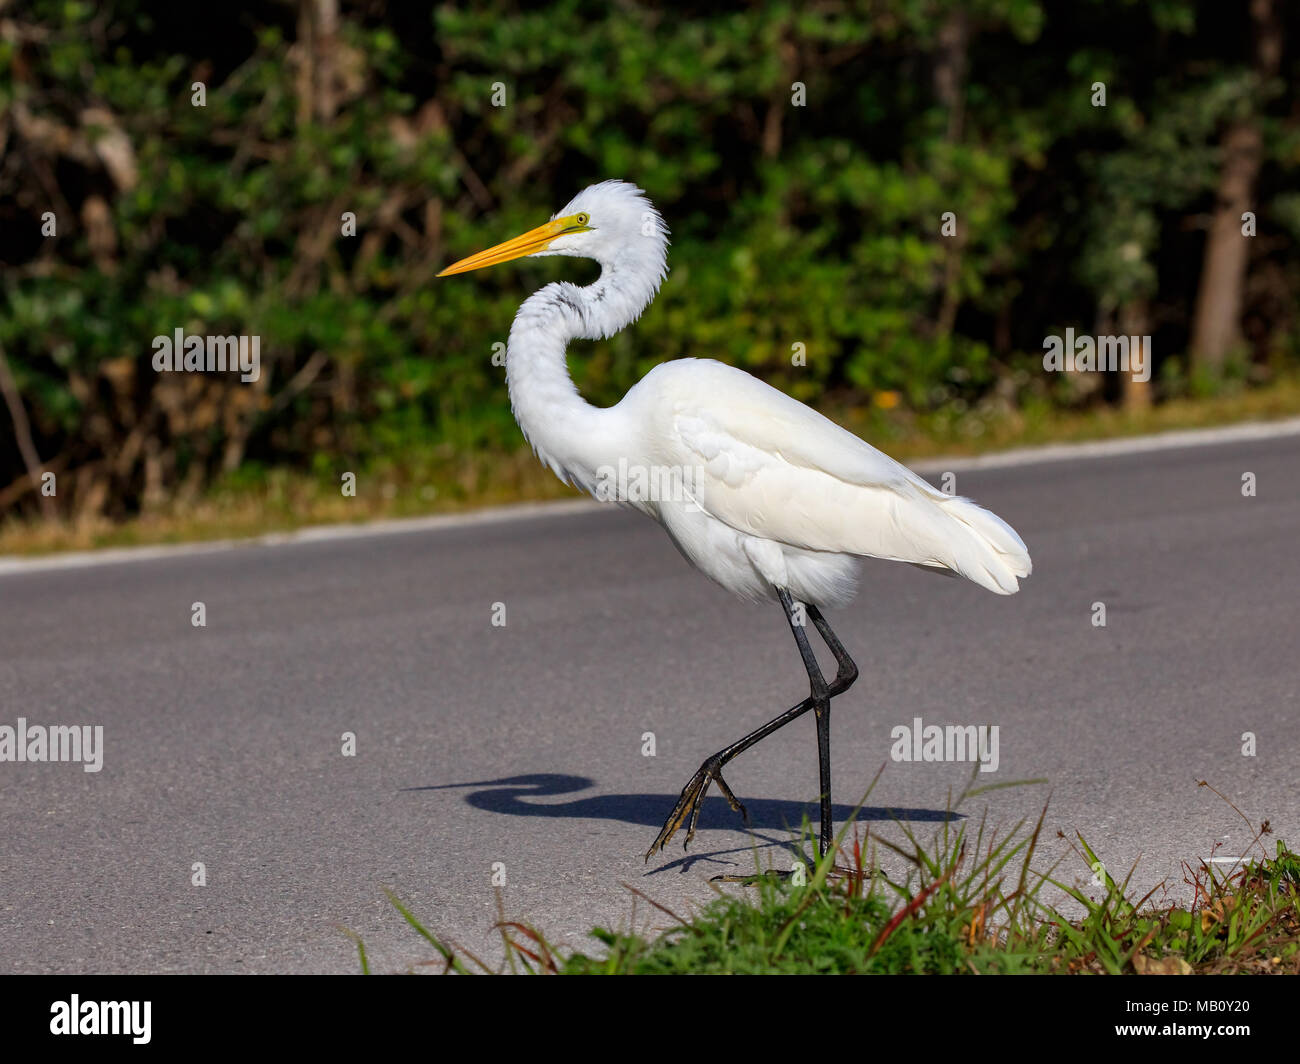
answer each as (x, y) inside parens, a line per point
(692, 798)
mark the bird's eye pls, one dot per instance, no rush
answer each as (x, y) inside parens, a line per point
(583, 219)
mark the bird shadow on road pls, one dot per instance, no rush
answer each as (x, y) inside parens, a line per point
(508, 796)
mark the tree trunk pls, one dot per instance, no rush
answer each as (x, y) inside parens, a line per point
(1218, 305)
(949, 84)
(318, 22)
(1217, 322)
(23, 436)
(950, 70)
(1134, 321)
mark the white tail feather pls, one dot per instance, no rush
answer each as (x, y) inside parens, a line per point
(992, 554)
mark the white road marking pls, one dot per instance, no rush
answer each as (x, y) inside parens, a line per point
(311, 534)
(1255, 430)
(1161, 441)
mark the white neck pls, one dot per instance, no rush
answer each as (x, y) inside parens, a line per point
(568, 434)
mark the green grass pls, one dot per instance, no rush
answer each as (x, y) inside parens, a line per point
(971, 902)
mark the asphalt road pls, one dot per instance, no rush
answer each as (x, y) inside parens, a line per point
(521, 746)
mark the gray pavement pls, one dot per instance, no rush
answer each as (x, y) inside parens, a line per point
(521, 746)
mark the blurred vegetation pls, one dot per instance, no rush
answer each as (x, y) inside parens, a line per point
(804, 156)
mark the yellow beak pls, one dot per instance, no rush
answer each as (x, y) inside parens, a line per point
(528, 243)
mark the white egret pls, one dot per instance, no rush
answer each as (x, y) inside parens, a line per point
(759, 492)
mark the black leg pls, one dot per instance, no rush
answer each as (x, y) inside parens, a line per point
(846, 673)
(821, 706)
(692, 796)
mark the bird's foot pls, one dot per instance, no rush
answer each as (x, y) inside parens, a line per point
(779, 874)
(689, 804)
(799, 877)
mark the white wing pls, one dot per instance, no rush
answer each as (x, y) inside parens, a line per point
(771, 467)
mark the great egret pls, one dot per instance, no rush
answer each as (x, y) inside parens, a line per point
(760, 493)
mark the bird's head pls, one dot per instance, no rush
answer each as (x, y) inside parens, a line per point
(611, 222)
